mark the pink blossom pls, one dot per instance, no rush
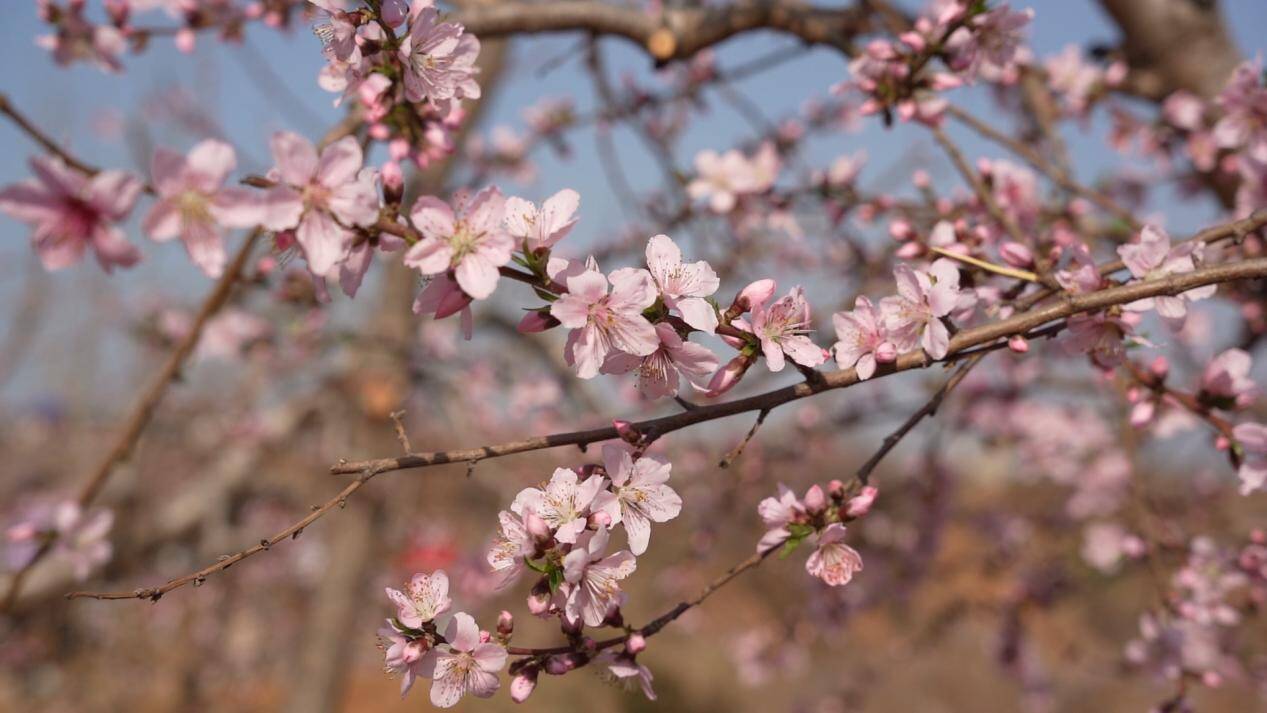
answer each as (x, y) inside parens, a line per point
(639, 495)
(194, 205)
(913, 316)
(443, 298)
(782, 328)
(229, 334)
(424, 598)
(860, 504)
(683, 286)
(833, 561)
(1227, 378)
(863, 340)
(79, 537)
(777, 513)
(1102, 336)
(439, 59)
(407, 656)
(623, 667)
(540, 228)
(990, 41)
(512, 545)
(1252, 439)
(595, 579)
(563, 504)
(1074, 79)
(321, 194)
(1153, 258)
(523, 684)
(77, 39)
(723, 179)
(1244, 120)
(465, 665)
(1105, 544)
(602, 323)
(658, 371)
(471, 241)
(70, 212)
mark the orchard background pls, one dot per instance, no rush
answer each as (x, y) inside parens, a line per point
(862, 356)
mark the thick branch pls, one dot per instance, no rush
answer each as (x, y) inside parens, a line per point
(678, 32)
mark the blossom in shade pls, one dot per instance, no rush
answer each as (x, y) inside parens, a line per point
(425, 597)
(70, 212)
(833, 561)
(782, 328)
(193, 204)
(1153, 258)
(439, 60)
(471, 240)
(1244, 121)
(603, 322)
(563, 504)
(1227, 379)
(409, 657)
(777, 513)
(540, 228)
(639, 495)
(683, 286)
(321, 195)
(510, 547)
(465, 665)
(443, 298)
(658, 372)
(1252, 439)
(913, 315)
(595, 579)
(863, 340)
(624, 668)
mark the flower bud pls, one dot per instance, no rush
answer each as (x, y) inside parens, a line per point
(523, 684)
(394, 12)
(815, 500)
(836, 490)
(1016, 254)
(537, 528)
(726, 377)
(636, 643)
(534, 322)
(505, 623)
(1018, 344)
(539, 598)
(627, 431)
(860, 504)
(560, 664)
(393, 182)
(1160, 368)
(754, 294)
(886, 352)
(599, 520)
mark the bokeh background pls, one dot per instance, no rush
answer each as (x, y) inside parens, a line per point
(974, 596)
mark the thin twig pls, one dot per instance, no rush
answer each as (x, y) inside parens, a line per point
(735, 452)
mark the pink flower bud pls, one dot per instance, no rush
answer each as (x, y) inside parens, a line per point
(886, 352)
(627, 431)
(561, 664)
(921, 179)
(726, 377)
(380, 132)
(1018, 344)
(909, 251)
(393, 181)
(394, 12)
(598, 520)
(1160, 367)
(505, 623)
(836, 489)
(534, 322)
(901, 230)
(755, 293)
(914, 40)
(1016, 254)
(636, 643)
(815, 500)
(537, 528)
(186, 40)
(539, 601)
(860, 504)
(1222, 443)
(523, 684)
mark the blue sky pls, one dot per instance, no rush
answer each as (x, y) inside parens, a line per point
(248, 104)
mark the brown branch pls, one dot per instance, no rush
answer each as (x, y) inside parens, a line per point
(987, 335)
(143, 410)
(678, 32)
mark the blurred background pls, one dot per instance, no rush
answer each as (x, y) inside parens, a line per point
(977, 593)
